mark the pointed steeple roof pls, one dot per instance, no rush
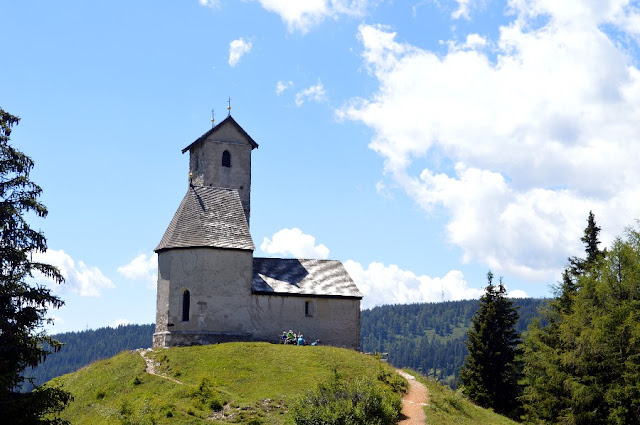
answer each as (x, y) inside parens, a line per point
(208, 217)
(229, 121)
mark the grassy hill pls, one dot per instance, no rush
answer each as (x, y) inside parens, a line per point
(84, 347)
(428, 337)
(227, 383)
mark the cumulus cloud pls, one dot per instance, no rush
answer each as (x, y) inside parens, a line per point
(237, 49)
(213, 4)
(518, 143)
(282, 86)
(517, 293)
(382, 284)
(120, 322)
(143, 269)
(379, 284)
(87, 281)
(295, 243)
(303, 15)
(315, 93)
(463, 9)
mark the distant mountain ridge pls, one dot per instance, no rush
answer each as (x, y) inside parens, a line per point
(427, 337)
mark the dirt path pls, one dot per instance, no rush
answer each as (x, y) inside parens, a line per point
(152, 364)
(413, 402)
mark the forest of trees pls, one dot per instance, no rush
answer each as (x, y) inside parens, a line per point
(430, 337)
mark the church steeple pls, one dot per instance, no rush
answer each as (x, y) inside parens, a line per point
(221, 157)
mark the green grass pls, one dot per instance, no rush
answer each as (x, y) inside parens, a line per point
(452, 407)
(224, 383)
(248, 383)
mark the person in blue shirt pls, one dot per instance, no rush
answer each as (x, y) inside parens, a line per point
(300, 340)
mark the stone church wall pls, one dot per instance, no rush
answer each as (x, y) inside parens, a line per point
(222, 307)
(218, 281)
(334, 321)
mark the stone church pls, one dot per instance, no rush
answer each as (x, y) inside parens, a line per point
(210, 287)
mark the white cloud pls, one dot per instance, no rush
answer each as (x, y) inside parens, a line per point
(542, 129)
(382, 284)
(463, 9)
(87, 281)
(237, 49)
(143, 268)
(120, 322)
(303, 15)
(213, 4)
(315, 93)
(282, 86)
(378, 283)
(292, 242)
(517, 293)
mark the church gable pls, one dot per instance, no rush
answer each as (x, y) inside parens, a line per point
(300, 277)
(227, 131)
(208, 217)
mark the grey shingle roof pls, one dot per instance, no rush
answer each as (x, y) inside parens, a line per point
(280, 276)
(208, 217)
(230, 120)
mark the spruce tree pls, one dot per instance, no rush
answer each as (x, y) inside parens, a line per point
(23, 306)
(491, 370)
(547, 393)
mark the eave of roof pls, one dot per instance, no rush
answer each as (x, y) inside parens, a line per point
(230, 120)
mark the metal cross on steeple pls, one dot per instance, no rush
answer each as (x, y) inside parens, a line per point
(212, 118)
(229, 107)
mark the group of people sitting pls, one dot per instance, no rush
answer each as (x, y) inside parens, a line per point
(295, 339)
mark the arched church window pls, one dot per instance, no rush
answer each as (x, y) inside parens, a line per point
(226, 159)
(186, 303)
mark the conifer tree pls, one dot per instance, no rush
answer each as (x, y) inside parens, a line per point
(547, 395)
(23, 306)
(491, 370)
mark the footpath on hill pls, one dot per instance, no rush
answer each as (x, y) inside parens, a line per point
(414, 401)
(152, 365)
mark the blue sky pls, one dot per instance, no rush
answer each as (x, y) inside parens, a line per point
(420, 142)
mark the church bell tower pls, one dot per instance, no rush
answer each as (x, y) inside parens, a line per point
(222, 158)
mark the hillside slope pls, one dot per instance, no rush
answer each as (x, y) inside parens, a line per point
(84, 347)
(225, 383)
(427, 337)
(253, 381)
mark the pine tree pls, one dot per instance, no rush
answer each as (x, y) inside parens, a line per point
(547, 394)
(579, 266)
(491, 370)
(22, 306)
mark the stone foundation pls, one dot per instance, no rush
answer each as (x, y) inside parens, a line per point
(187, 338)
